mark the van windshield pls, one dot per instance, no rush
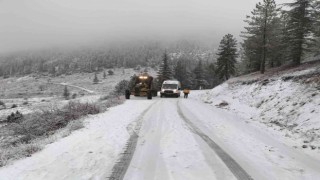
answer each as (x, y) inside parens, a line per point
(170, 86)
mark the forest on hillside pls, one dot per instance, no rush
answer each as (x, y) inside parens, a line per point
(92, 59)
(274, 35)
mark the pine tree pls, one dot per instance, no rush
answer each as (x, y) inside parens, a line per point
(66, 93)
(211, 76)
(121, 87)
(300, 28)
(53, 70)
(132, 82)
(227, 57)
(200, 82)
(180, 70)
(316, 16)
(280, 52)
(95, 80)
(183, 74)
(262, 27)
(164, 72)
(189, 81)
(41, 66)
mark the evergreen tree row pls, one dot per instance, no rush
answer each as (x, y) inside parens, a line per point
(198, 76)
(91, 59)
(274, 37)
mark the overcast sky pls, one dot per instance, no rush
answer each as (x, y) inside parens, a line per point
(27, 24)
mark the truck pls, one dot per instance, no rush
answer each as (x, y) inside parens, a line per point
(170, 88)
(141, 85)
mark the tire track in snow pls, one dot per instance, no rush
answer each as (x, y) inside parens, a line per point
(233, 166)
(120, 168)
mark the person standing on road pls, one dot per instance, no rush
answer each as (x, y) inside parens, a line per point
(186, 91)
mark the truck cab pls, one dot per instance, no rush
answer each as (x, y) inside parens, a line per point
(170, 88)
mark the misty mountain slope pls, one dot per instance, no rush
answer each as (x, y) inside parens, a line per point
(287, 102)
(33, 92)
(35, 85)
(96, 58)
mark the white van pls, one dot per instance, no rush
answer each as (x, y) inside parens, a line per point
(170, 88)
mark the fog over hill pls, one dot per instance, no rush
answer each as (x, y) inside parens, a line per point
(34, 24)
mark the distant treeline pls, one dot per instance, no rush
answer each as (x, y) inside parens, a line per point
(57, 62)
(88, 59)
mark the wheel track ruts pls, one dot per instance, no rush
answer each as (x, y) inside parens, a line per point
(120, 168)
(233, 166)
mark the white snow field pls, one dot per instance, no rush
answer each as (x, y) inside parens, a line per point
(179, 139)
(88, 153)
(288, 107)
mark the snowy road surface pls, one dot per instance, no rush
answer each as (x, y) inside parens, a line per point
(168, 149)
(168, 138)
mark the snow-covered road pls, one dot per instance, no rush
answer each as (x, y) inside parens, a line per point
(168, 149)
(187, 139)
(260, 153)
(176, 139)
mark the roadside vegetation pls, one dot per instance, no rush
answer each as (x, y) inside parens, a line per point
(26, 134)
(24, 131)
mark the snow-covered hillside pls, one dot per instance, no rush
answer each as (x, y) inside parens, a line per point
(254, 126)
(287, 102)
(31, 93)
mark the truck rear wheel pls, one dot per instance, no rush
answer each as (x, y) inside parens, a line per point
(149, 95)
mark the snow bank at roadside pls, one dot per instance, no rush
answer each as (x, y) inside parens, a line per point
(288, 106)
(88, 153)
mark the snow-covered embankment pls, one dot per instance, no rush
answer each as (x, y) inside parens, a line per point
(289, 104)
